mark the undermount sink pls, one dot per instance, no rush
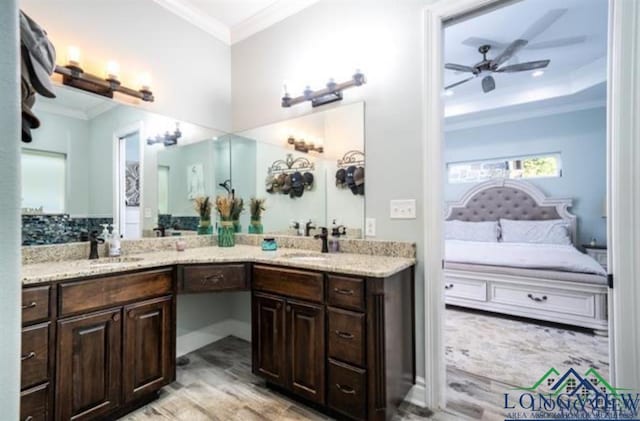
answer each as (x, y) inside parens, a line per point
(306, 257)
(115, 260)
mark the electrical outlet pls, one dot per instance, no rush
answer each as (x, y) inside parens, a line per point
(370, 227)
(403, 209)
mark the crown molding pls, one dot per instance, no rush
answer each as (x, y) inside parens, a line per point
(524, 115)
(102, 107)
(267, 17)
(198, 18)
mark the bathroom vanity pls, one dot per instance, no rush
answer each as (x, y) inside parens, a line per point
(99, 340)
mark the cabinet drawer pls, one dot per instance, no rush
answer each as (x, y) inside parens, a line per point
(470, 289)
(346, 336)
(84, 296)
(206, 278)
(35, 304)
(566, 302)
(34, 403)
(290, 283)
(35, 355)
(347, 389)
(345, 292)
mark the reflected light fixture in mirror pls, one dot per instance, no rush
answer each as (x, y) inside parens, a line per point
(331, 93)
(303, 146)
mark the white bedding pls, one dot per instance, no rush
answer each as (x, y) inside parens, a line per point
(558, 257)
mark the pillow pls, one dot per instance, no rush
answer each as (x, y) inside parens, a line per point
(471, 231)
(553, 231)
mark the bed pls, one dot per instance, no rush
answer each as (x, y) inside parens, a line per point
(553, 281)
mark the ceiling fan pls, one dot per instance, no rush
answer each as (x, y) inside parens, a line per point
(495, 65)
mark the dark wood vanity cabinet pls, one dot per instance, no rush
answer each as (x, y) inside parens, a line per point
(345, 343)
(99, 346)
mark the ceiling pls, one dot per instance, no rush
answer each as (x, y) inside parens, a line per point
(232, 21)
(573, 68)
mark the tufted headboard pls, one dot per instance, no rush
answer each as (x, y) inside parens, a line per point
(510, 199)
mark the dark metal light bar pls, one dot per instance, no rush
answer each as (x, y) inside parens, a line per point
(77, 78)
(332, 93)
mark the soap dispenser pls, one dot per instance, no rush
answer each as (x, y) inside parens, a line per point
(334, 241)
(114, 244)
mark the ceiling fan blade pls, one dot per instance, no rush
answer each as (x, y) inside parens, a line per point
(523, 67)
(453, 85)
(560, 42)
(543, 24)
(459, 67)
(476, 42)
(512, 49)
(488, 84)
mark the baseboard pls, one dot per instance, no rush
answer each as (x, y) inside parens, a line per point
(190, 341)
(417, 393)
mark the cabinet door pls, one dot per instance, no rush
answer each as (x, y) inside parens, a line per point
(306, 350)
(148, 354)
(268, 338)
(88, 365)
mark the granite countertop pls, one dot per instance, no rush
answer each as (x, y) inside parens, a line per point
(351, 264)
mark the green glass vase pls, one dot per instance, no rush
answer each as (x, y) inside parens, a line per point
(255, 227)
(226, 234)
(237, 226)
(205, 228)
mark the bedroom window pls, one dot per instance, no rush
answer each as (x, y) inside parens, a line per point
(522, 167)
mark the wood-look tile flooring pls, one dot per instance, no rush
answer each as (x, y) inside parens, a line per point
(218, 384)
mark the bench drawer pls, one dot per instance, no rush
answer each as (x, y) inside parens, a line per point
(346, 337)
(470, 289)
(110, 291)
(35, 304)
(558, 301)
(35, 355)
(207, 278)
(345, 292)
(289, 282)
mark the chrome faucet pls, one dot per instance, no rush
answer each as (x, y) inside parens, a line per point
(94, 240)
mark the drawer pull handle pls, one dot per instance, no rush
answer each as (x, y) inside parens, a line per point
(29, 418)
(448, 286)
(346, 389)
(343, 291)
(28, 356)
(537, 299)
(32, 304)
(344, 335)
(212, 278)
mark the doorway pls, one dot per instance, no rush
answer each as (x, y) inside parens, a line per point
(435, 18)
(128, 186)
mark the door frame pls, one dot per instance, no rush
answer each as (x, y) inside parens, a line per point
(623, 169)
(118, 181)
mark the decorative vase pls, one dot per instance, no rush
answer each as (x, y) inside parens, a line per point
(226, 234)
(237, 226)
(255, 227)
(205, 228)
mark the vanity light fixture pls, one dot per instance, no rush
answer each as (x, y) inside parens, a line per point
(332, 93)
(73, 75)
(303, 146)
(168, 139)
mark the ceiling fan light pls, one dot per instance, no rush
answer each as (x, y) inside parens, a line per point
(448, 92)
(537, 73)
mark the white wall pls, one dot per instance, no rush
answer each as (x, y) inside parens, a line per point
(9, 213)
(189, 68)
(331, 39)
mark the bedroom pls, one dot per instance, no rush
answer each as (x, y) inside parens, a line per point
(525, 175)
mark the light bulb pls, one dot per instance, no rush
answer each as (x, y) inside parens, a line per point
(113, 70)
(145, 81)
(73, 56)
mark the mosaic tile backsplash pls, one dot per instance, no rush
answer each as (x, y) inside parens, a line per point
(58, 229)
(187, 223)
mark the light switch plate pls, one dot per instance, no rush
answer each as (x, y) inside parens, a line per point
(403, 209)
(370, 227)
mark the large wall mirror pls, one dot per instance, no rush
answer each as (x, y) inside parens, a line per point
(310, 170)
(90, 164)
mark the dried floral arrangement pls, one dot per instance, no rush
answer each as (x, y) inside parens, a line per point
(237, 207)
(224, 204)
(256, 207)
(202, 205)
